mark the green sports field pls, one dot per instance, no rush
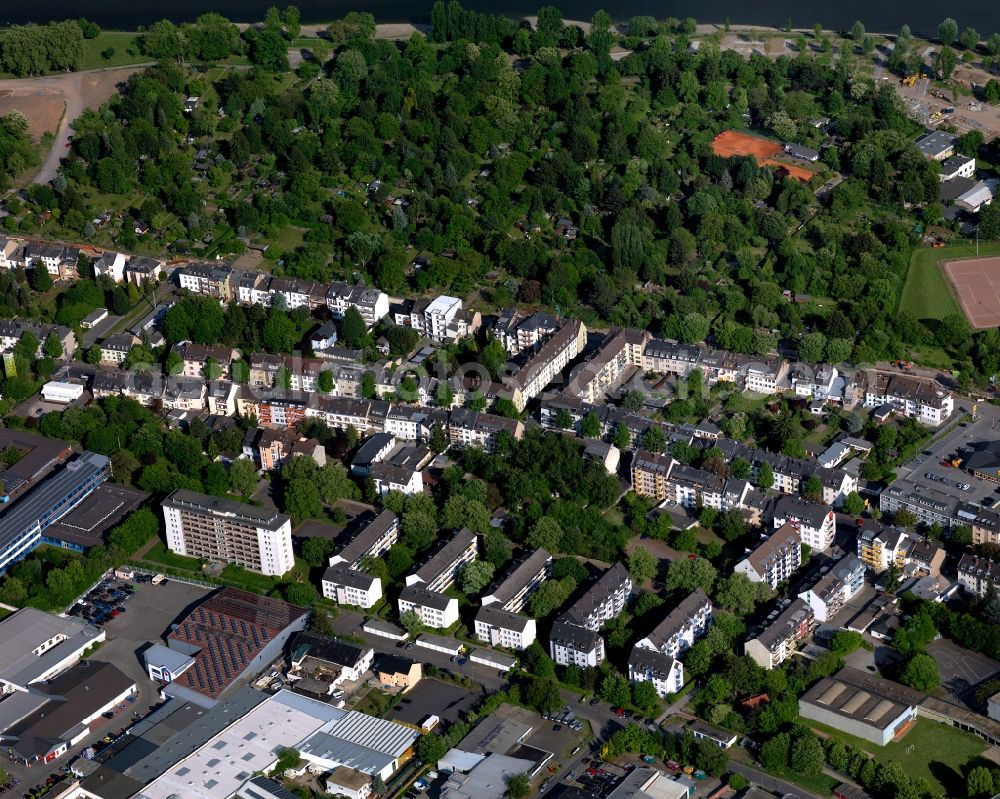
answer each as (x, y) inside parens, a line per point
(927, 293)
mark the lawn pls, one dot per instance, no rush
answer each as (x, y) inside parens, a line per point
(927, 293)
(160, 554)
(126, 50)
(939, 754)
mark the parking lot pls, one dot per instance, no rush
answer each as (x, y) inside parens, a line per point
(931, 471)
(431, 697)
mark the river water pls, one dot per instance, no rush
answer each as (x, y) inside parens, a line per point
(922, 16)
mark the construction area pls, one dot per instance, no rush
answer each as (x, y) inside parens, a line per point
(764, 151)
(977, 284)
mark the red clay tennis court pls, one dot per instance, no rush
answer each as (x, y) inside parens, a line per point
(977, 284)
(737, 142)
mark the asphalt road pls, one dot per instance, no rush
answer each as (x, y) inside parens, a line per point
(769, 783)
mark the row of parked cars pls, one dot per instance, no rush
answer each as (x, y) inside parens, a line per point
(104, 602)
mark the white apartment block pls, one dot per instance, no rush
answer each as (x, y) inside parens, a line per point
(572, 645)
(775, 560)
(511, 593)
(664, 672)
(222, 531)
(372, 304)
(346, 586)
(816, 524)
(978, 576)
(440, 571)
(545, 365)
(776, 642)
(373, 540)
(432, 607)
(500, 628)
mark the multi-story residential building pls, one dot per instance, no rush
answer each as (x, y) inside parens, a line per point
(775, 560)
(670, 357)
(681, 627)
(879, 547)
(650, 474)
(518, 332)
(347, 586)
(498, 627)
(412, 423)
(432, 607)
(372, 304)
(815, 523)
(666, 673)
(546, 364)
(112, 265)
(23, 525)
(765, 377)
(985, 523)
(573, 645)
(372, 540)
(8, 250)
(440, 571)
(270, 449)
(511, 593)
(224, 531)
(115, 349)
(296, 293)
(604, 600)
(59, 261)
(139, 269)
(184, 393)
(210, 280)
(623, 348)
(13, 330)
(925, 558)
(914, 397)
(475, 429)
(773, 645)
(977, 575)
(834, 589)
(819, 382)
(574, 638)
(404, 477)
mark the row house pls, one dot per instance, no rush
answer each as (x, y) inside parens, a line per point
(297, 293)
(442, 568)
(518, 333)
(978, 576)
(208, 280)
(298, 374)
(433, 608)
(601, 374)
(467, 428)
(833, 590)
(221, 397)
(184, 393)
(13, 330)
(838, 484)
(822, 382)
(58, 260)
(914, 397)
(342, 413)
(985, 523)
(548, 363)
(673, 357)
(347, 586)
(413, 423)
(373, 540)
(501, 628)
(775, 560)
(815, 523)
(773, 645)
(664, 478)
(372, 304)
(511, 594)
(198, 358)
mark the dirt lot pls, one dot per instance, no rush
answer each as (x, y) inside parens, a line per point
(737, 142)
(977, 283)
(45, 100)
